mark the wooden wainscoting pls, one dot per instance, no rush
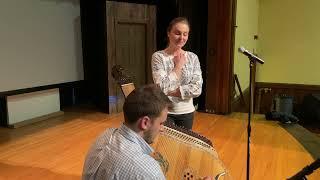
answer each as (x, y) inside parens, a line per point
(264, 93)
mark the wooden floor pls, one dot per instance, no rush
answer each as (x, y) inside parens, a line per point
(55, 149)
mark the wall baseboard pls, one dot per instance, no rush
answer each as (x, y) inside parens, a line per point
(37, 119)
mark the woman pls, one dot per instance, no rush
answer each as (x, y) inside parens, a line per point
(178, 73)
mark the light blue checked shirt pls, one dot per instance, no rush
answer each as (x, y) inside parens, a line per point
(121, 154)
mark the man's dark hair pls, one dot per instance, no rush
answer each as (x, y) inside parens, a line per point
(147, 100)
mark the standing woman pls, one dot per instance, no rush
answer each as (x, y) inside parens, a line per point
(178, 73)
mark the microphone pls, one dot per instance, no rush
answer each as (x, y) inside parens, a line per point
(250, 55)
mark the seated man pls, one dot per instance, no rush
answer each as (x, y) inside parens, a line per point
(124, 153)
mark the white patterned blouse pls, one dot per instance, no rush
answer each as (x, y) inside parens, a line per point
(190, 83)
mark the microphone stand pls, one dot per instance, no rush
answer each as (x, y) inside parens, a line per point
(253, 59)
(251, 91)
(301, 175)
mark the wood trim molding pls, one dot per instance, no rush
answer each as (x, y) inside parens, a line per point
(287, 86)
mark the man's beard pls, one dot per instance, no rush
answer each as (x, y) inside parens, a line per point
(148, 137)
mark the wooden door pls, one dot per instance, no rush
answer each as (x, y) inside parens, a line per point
(130, 43)
(219, 70)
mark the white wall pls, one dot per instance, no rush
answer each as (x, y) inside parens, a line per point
(289, 41)
(247, 26)
(40, 43)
